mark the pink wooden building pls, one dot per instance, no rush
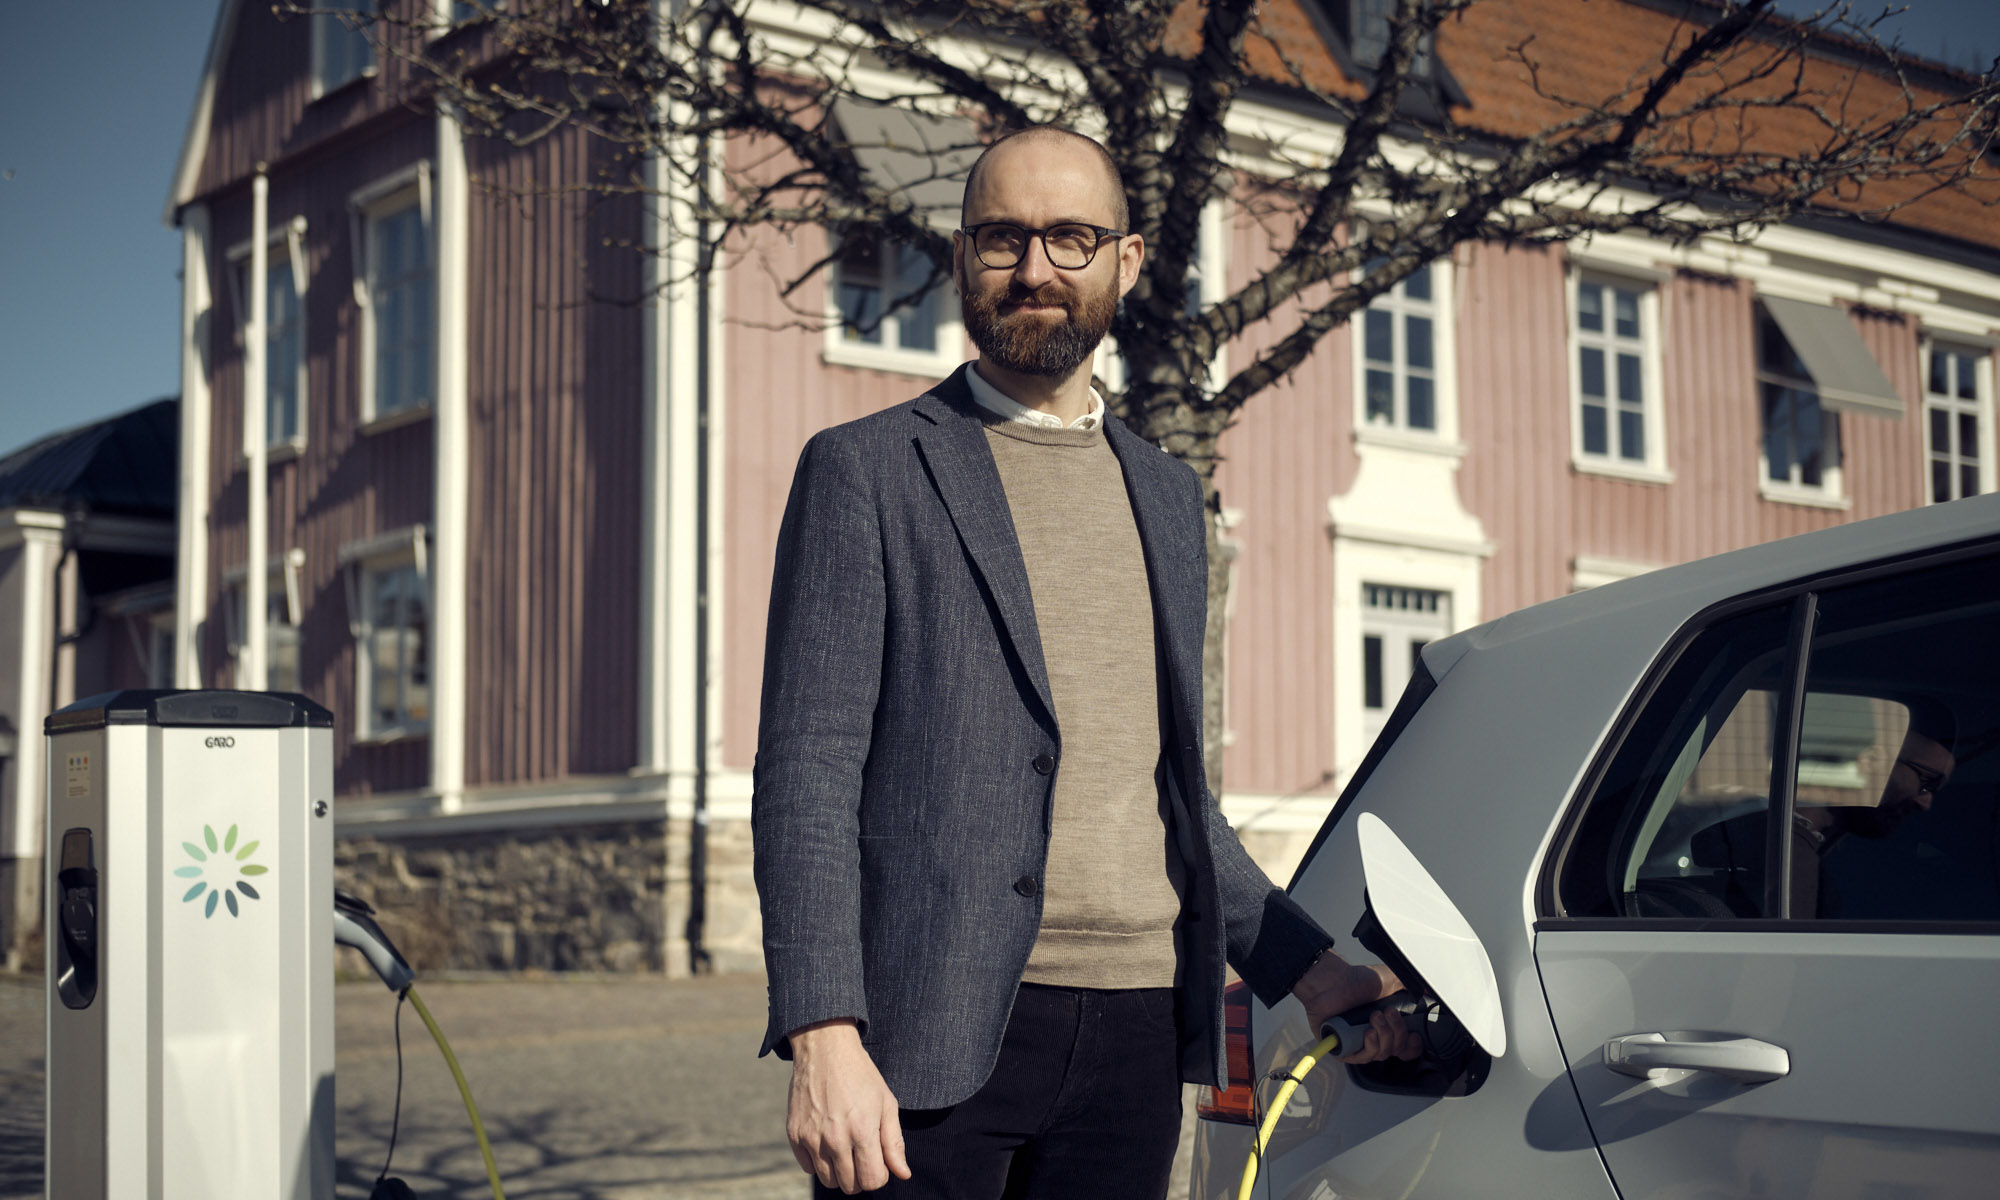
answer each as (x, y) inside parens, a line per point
(520, 523)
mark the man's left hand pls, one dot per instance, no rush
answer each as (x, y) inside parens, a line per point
(1332, 985)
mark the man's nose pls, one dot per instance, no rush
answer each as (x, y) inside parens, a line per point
(1034, 269)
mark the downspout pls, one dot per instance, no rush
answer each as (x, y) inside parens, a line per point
(699, 962)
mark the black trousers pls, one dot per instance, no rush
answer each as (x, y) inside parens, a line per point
(1085, 1101)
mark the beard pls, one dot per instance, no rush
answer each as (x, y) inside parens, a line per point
(1032, 343)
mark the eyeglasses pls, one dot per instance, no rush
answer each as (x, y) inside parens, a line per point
(1001, 245)
(1928, 780)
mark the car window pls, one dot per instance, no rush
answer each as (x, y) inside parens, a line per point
(1699, 755)
(1888, 792)
(1895, 816)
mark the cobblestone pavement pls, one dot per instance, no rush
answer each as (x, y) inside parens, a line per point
(607, 1088)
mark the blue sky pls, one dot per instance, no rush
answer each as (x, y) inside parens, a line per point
(94, 103)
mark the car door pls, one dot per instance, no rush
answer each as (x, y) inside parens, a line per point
(1812, 1014)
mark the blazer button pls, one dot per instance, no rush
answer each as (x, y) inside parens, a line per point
(1044, 764)
(1026, 885)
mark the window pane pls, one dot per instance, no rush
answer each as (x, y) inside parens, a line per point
(1590, 307)
(1417, 286)
(1630, 388)
(1968, 377)
(1596, 438)
(1631, 435)
(1675, 829)
(861, 313)
(1940, 384)
(1625, 312)
(1968, 481)
(1940, 481)
(1371, 672)
(1968, 436)
(1423, 404)
(1940, 431)
(1809, 423)
(1381, 398)
(1417, 342)
(916, 326)
(1889, 830)
(1777, 433)
(1379, 336)
(1590, 364)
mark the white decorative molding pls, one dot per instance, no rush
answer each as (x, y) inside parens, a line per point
(1589, 571)
(197, 315)
(451, 474)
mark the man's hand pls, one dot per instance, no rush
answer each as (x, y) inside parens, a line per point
(842, 1120)
(1332, 985)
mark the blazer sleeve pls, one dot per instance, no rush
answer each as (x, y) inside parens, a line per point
(822, 670)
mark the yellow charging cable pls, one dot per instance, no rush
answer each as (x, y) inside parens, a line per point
(465, 1091)
(1293, 1078)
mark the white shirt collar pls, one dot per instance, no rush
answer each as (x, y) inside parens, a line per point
(1000, 404)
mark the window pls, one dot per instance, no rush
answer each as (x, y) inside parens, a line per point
(340, 49)
(1400, 355)
(873, 274)
(399, 321)
(865, 329)
(1367, 30)
(284, 347)
(283, 615)
(1875, 769)
(1616, 414)
(1396, 624)
(1955, 438)
(394, 650)
(1801, 439)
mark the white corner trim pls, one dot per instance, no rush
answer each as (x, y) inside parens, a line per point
(929, 364)
(452, 472)
(191, 557)
(1405, 439)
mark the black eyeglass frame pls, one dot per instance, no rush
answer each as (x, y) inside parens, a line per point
(1030, 234)
(1929, 779)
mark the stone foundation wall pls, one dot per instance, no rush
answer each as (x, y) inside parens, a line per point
(610, 897)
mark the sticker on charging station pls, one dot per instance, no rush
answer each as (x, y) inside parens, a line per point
(216, 870)
(76, 776)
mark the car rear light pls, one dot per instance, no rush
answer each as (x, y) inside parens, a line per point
(1235, 1102)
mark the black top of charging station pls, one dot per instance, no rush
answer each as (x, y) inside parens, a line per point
(168, 706)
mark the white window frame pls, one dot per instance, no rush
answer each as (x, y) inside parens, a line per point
(890, 355)
(326, 25)
(366, 207)
(288, 240)
(1442, 309)
(1830, 492)
(1981, 407)
(1653, 467)
(285, 574)
(1405, 613)
(360, 562)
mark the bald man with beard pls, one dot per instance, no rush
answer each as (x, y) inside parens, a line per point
(998, 898)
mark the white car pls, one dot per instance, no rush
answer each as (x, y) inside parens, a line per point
(1681, 1004)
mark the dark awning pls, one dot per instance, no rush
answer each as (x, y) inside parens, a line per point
(924, 156)
(1847, 376)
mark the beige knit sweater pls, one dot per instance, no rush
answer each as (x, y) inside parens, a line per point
(1112, 890)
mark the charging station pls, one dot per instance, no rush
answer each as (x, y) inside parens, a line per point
(190, 947)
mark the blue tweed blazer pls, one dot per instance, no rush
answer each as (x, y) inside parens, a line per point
(908, 749)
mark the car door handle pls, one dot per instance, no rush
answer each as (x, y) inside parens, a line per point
(1744, 1059)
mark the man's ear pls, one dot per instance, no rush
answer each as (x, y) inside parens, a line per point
(1131, 253)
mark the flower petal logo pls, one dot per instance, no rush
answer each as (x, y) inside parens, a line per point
(211, 869)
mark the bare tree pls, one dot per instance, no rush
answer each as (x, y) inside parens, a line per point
(1737, 120)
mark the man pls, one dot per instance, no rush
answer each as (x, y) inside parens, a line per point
(997, 897)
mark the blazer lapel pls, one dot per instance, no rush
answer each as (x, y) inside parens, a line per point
(953, 446)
